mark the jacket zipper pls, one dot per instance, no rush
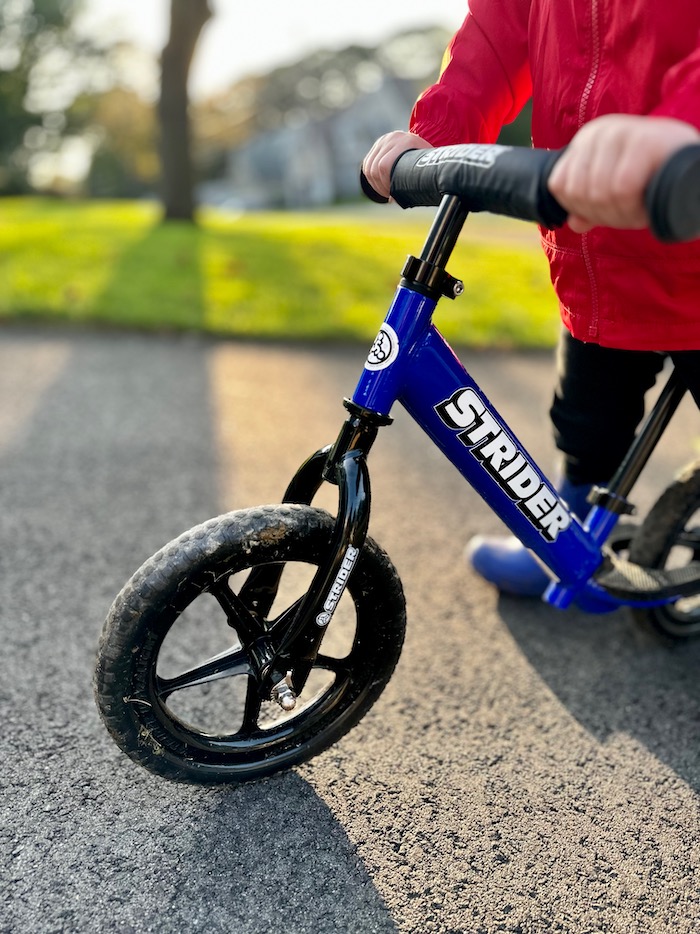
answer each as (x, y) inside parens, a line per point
(582, 110)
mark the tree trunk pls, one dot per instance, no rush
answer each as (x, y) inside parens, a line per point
(187, 19)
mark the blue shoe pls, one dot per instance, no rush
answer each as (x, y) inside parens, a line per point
(505, 562)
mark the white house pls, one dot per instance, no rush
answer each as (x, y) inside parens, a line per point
(312, 163)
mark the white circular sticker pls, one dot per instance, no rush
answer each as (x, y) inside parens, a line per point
(384, 350)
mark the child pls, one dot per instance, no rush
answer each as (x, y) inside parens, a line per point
(619, 84)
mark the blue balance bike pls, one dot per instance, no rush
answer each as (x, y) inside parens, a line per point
(256, 640)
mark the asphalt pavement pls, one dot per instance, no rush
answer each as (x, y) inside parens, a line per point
(526, 770)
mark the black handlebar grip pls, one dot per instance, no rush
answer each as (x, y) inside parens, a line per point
(499, 179)
(370, 192)
(673, 197)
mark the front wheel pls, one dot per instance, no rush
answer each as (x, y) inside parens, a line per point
(669, 537)
(174, 684)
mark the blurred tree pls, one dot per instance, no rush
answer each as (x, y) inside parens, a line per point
(122, 129)
(187, 19)
(39, 53)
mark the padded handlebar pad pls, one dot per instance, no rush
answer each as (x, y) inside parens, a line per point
(673, 197)
(507, 180)
(512, 180)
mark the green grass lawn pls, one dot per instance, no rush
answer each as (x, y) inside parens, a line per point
(313, 276)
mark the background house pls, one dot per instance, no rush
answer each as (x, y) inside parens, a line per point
(295, 138)
(315, 162)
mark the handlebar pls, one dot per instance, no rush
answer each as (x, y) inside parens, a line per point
(512, 180)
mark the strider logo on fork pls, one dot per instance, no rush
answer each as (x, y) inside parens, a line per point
(336, 591)
(466, 412)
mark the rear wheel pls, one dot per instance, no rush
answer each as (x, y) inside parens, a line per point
(669, 537)
(174, 683)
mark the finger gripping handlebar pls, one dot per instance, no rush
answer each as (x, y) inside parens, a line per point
(499, 179)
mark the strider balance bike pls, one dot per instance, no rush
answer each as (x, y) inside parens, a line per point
(256, 640)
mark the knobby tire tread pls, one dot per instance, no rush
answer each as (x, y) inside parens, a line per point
(656, 536)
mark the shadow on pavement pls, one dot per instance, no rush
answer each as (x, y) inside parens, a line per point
(615, 678)
(115, 457)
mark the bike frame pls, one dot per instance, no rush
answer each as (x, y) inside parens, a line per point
(411, 363)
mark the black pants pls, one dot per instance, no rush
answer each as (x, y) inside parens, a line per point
(599, 402)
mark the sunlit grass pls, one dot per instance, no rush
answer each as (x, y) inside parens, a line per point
(324, 276)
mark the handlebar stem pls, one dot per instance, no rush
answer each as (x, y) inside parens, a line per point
(444, 232)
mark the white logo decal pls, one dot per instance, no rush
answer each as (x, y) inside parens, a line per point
(336, 591)
(487, 441)
(482, 156)
(384, 350)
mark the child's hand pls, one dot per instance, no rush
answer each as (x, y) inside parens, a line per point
(379, 161)
(601, 178)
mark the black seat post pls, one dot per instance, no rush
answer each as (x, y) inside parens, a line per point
(614, 497)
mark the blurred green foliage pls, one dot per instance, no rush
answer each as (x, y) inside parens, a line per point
(39, 57)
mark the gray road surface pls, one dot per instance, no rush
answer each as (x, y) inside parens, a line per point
(525, 771)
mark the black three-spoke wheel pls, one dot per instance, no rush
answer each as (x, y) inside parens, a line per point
(176, 682)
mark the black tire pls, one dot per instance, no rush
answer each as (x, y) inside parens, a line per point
(165, 615)
(670, 537)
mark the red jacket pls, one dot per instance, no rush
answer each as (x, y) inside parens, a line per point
(579, 59)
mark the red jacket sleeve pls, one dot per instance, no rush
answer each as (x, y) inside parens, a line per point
(485, 79)
(680, 90)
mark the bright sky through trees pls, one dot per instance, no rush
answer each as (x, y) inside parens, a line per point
(247, 38)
